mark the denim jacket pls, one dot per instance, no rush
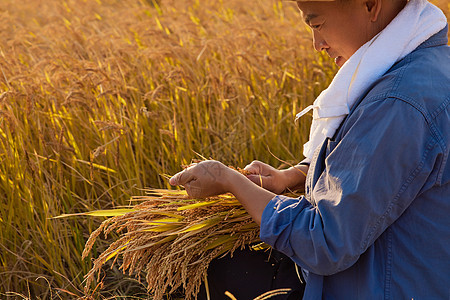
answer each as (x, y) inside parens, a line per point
(374, 222)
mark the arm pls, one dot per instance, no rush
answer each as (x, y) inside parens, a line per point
(296, 176)
(209, 178)
(369, 179)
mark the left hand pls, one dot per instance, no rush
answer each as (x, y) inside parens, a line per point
(204, 179)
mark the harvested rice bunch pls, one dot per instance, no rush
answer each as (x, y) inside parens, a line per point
(172, 238)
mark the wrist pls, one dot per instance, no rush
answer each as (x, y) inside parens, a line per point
(230, 179)
(295, 176)
(253, 197)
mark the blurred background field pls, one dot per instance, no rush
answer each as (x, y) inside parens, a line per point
(100, 99)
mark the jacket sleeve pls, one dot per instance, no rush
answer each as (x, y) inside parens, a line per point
(370, 178)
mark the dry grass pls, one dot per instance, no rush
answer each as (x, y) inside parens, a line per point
(98, 98)
(171, 239)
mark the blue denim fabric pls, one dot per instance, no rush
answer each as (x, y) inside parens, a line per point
(375, 219)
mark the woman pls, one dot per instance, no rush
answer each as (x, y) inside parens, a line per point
(373, 223)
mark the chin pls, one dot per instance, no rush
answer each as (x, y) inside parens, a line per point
(340, 61)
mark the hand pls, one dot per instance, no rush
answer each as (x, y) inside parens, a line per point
(209, 178)
(205, 179)
(277, 181)
(267, 176)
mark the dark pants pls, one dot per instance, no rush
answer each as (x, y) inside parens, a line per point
(248, 274)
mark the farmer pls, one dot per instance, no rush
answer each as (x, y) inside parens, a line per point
(374, 222)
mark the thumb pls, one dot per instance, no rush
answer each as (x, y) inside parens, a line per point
(181, 178)
(254, 167)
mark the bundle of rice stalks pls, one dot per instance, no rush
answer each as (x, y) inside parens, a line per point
(172, 239)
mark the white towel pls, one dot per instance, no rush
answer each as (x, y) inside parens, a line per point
(416, 22)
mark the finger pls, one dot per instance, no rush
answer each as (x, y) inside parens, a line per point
(174, 179)
(257, 179)
(254, 167)
(181, 178)
(193, 191)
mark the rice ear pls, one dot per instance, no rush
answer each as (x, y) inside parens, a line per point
(173, 239)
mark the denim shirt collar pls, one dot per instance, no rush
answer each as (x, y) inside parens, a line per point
(438, 39)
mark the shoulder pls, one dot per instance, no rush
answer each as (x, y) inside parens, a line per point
(420, 84)
(414, 95)
(421, 79)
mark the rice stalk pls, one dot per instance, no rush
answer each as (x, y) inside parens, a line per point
(172, 239)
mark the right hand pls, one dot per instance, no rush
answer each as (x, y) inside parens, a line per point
(267, 177)
(204, 179)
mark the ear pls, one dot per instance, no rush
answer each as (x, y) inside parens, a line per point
(373, 8)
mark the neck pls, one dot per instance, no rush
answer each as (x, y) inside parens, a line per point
(389, 10)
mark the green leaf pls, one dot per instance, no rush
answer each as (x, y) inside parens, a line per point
(205, 223)
(167, 239)
(260, 246)
(162, 228)
(164, 221)
(219, 241)
(100, 213)
(194, 227)
(197, 205)
(116, 251)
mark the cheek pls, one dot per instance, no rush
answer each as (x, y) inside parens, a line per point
(351, 39)
(358, 34)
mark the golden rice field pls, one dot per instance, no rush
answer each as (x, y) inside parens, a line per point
(102, 99)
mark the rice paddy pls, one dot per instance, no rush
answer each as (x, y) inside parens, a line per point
(101, 100)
